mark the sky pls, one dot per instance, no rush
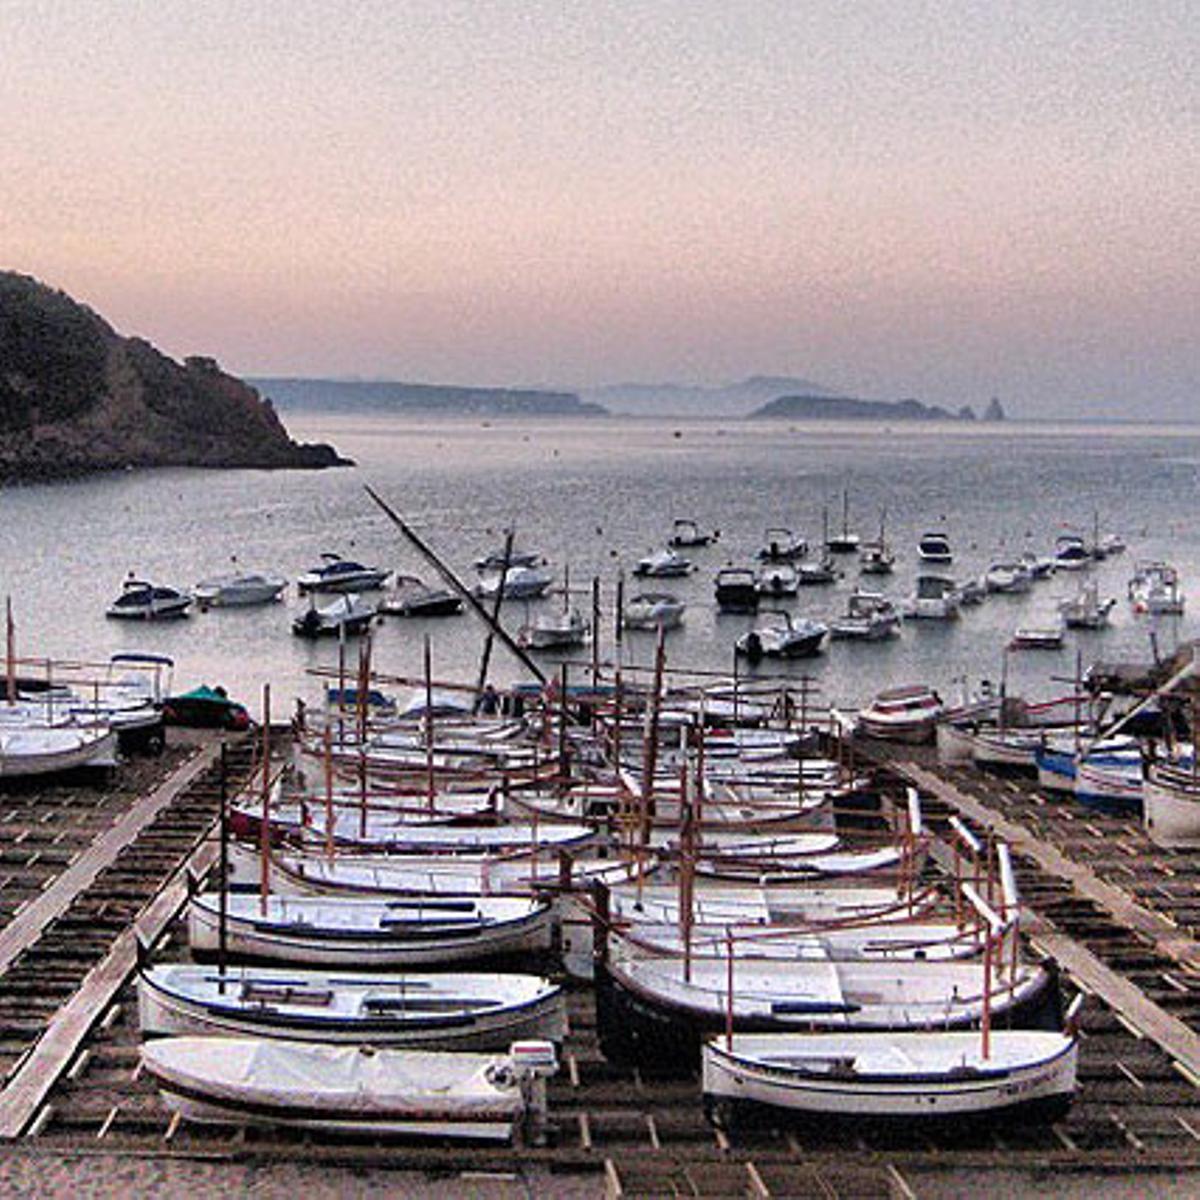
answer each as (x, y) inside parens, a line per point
(948, 200)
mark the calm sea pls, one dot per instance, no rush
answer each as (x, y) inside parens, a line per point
(595, 496)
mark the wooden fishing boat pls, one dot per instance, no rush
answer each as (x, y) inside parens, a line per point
(349, 932)
(926, 1076)
(657, 1009)
(445, 1011)
(1171, 806)
(28, 749)
(351, 1089)
(902, 714)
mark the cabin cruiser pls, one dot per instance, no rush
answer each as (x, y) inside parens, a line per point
(819, 571)
(779, 579)
(781, 545)
(239, 590)
(653, 610)
(869, 616)
(737, 590)
(664, 564)
(778, 636)
(687, 533)
(934, 547)
(345, 615)
(517, 583)
(142, 601)
(1038, 637)
(1070, 553)
(936, 598)
(410, 597)
(337, 574)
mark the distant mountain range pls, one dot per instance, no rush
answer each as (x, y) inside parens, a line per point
(382, 396)
(680, 400)
(846, 408)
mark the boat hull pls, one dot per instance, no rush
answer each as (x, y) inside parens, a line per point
(1172, 811)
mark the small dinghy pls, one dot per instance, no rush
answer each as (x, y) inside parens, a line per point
(449, 1011)
(348, 932)
(686, 533)
(353, 1089)
(930, 1075)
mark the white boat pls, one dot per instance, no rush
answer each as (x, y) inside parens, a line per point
(876, 558)
(779, 579)
(1011, 749)
(437, 1011)
(777, 635)
(1039, 637)
(653, 610)
(29, 749)
(494, 560)
(781, 545)
(1085, 610)
(410, 597)
(142, 601)
(352, 933)
(351, 1089)
(345, 615)
(1009, 577)
(663, 564)
(1071, 553)
(1039, 566)
(927, 1075)
(1155, 589)
(337, 574)
(239, 590)
(517, 583)
(869, 616)
(554, 631)
(934, 547)
(935, 598)
(903, 714)
(686, 533)
(1171, 806)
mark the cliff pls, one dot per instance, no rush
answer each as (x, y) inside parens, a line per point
(424, 398)
(844, 408)
(76, 397)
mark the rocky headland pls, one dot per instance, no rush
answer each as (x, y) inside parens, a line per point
(77, 397)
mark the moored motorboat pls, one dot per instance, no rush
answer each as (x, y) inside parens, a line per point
(869, 616)
(778, 579)
(925, 1076)
(143, 601)
(337, 574)
(517, 583)
(686, 533)
(1038, 637)
(663, 564)
(347, 614)
(352, 1089)
(934, 547)
(410, 597)
(239, 590)
(935, 598)
(781, 545)
(1155, 589)
(1008, 577)
(777, 635)
(434, 1011)
(653, 610)
(736, 590)
(1071, 553)
(554, 630)
(1085, 610)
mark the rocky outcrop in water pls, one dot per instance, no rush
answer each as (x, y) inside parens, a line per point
(76, 397)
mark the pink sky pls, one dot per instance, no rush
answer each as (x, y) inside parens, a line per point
(950, 201)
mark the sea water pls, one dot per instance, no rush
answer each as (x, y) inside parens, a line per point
(594, 496)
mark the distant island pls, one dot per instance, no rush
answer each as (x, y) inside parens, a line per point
(846, 408)
(345, 395)
(737, 399)
(76, 397)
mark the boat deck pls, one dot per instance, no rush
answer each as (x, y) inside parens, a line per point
(1119, 915)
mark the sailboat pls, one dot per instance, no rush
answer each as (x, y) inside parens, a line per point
(845, 542)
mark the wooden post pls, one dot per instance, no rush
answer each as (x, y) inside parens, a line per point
(619, 613)
(10, 658)
(264, 839)
(329, 818)
(430, 783)
(729, 987)
(223, 876)
(595, 631)
(985, 1024)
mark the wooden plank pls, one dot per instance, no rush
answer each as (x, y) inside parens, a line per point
(26, 927)
(44, 1064)
(1165, 936)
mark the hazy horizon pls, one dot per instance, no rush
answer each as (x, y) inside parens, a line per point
(943, 202)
